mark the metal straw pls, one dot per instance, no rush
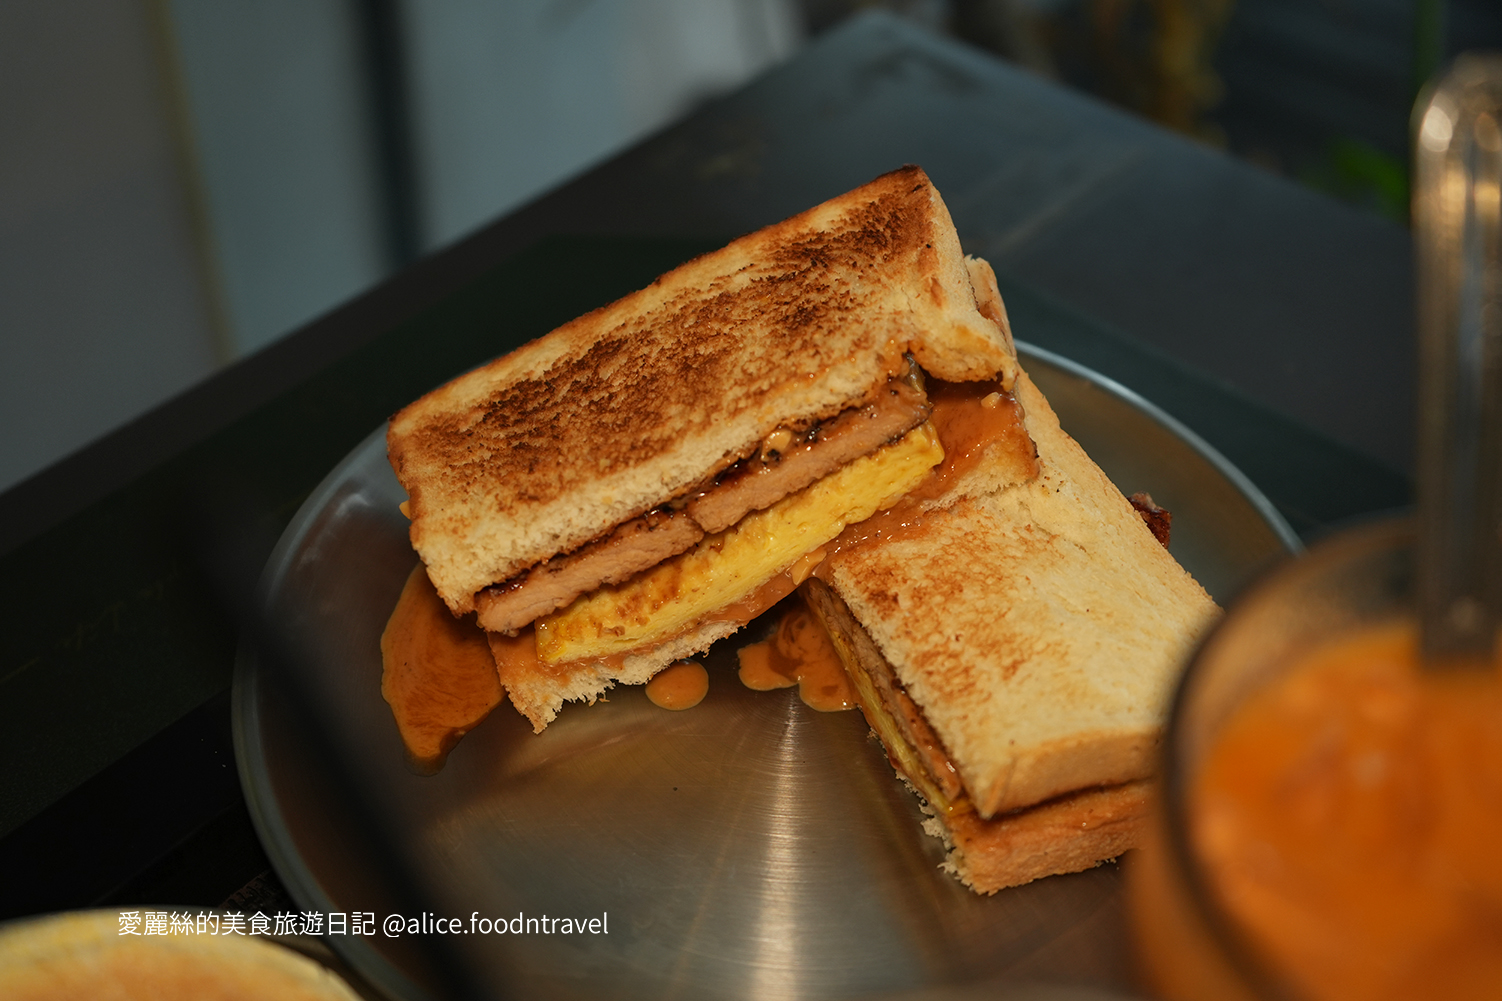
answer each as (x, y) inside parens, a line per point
(1457, 219)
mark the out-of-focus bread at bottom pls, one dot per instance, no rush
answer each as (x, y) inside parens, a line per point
(83, 955)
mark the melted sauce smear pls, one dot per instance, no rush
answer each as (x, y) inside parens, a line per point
(971, 417)
(1350, 815)
(679, 686)
(799, 653)
(516, 656)
(437, 674)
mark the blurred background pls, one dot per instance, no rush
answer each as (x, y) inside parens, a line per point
(182, 182)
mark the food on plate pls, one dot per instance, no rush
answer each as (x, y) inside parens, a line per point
(646, 479)
(679, 686)
(1347, 816)
(438, 674)
(831, 405)
(799, 652)
(1015, 652)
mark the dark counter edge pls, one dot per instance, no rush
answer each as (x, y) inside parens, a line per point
(92, 473)
(147, 827)
(130, 835)
(1315, 482)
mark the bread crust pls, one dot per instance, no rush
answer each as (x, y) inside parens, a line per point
(539, 693)
(1069, 834)
(633, 404)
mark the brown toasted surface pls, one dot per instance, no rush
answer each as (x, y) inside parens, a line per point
(988, 298)
(614, 413)
(1040, 628)
(1069, 834)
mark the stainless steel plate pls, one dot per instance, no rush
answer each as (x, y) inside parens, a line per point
(749, 848)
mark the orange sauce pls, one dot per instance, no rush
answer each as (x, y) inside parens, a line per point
(1350, 816)
(799, 653)
(437, 674)
(679, 686)
(970, 418)
(516, 656)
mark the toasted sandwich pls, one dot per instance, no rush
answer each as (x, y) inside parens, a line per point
(646, 479)
(1015, 652)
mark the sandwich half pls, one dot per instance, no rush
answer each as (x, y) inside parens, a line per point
(646, 479)
(1015, 651)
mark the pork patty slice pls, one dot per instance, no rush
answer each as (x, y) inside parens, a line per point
(764, 479)
(631, 548)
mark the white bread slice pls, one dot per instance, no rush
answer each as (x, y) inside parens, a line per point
(539, 693)
(1039, 628)
(624, 408)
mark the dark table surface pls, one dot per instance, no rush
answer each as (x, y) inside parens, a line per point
(1271, 320)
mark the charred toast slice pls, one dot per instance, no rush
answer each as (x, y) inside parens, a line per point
(637, 404)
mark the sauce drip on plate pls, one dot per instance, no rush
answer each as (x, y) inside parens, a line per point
(679, 686)
(437, 674)
(798, 653)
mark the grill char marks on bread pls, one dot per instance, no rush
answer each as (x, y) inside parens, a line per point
(1039, 630)
(632, 406)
